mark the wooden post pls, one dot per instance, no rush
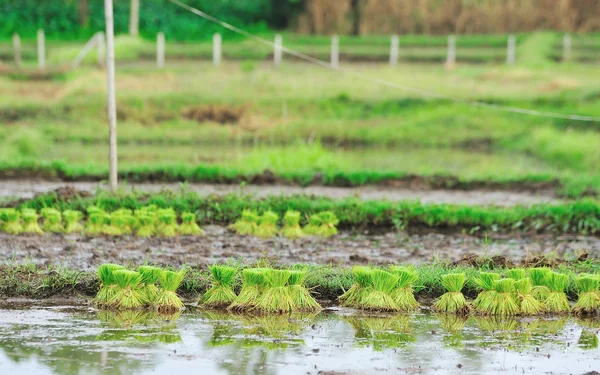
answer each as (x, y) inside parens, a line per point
(511, 50)
(451, 55)
(17, 46)
(160, 50)
(111, 99)
(335, 51)
(217, 49)
(394, 50)
(567, 47)
(41, 49)
(101, 49)
(278, 52)
(134, 17)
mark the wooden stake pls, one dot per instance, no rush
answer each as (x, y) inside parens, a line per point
(111, 99)
(394, 50)
(335, 51)
(277, 53)
(217, 41)
(511, 50)
(17, 46)
(41, 47)
(160, 50)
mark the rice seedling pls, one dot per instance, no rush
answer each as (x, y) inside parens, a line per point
(557, 301)
(588, 301)
(72, 220)
(403, 294)
(146, 220)
(453, 301)
(322, 224)
(300, 295)
(129, 294)
(527, 302)
(12, 221)
(167, 219)
(108, 287)
(362, 286)
(150, 276)
(96, 222)
(123, 220)
(313, 226)
(588, 340)
(516, 274)
(253, 280)
(267, 225)
(30, 221)
(504, 302)
(246, 224)
(379, 297)
(188, 226)
(291, 225)
(276, 297)
(52, 220)
(484, 301)
(168, 301)
(539, 279)
(115, 224)
(221, 293)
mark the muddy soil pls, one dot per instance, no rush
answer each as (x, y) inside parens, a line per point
(219, 245)
(29, 188)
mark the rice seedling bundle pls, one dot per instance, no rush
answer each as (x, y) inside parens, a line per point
(276, 297)
(114, 225)
(485, 299)
(504, 302)
(146, 220)
(72, 220)
(167, 219)
(362, 286)
(588, 301)
(96, 222)
(30, 221)
(52, 220)
(557, 301)
(326, 222)
(291, 225)
(189, 226)
(12, 221)
(108, 287)
(123, 221)
(129, 294)
(246, 224)
(168, 301)
(150, 276)
(453, 301)
(299, 293)
(221, 293)
(539, 280)
(253, 282)
(267, 225)
(528, 304)
(314, 224)
(403, 294)
(379, 297)
(516, 273)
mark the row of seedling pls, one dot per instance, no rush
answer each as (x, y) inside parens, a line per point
(523, 292)
(263, 290)
(322, 224)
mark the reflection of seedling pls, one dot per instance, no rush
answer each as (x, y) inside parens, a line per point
(382, 332)
(588, 340)
(168, 301)
(527, 302)
(108, 288)
(52, 220)
(453, 301)
(362, 287)
(73, 218)
(539, 280)
(150, 276)
(267, 225)
(485, 300)
(516, 274)
(129, 294)
(291, 225)
(253, 280)
(497, 323)
(30, 221)
(403, 294)
(188, 225)
(504, 302)
(247, 224)
(300, 295)
(167, 219)
(453, 324)
(589, 297)
(276, 297)
(221, 292)
(379, 298)
(557, 301)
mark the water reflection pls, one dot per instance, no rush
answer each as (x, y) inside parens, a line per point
(380, 333)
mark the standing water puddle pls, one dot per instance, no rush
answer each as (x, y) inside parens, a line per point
(64, 340)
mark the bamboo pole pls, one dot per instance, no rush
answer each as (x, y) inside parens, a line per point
(112, 103)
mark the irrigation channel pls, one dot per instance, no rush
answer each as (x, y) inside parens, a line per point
(34, 339)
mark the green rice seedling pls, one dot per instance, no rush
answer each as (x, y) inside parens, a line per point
(188, 226)
(96, 222)
(72, 220)
(453, 301)
(12, 221)
(129, 294)
(253, 280)
(291, 225)
(30, 221)
(403, 294)
(123, 220)
(313, 226)
(323, 224)
(379, 298)
(168, 301)
(52, 220)
(362, 286)
(516, 273)
(301, 297)
(504, 302)
(557, 301)
(267, 225)
(150, 276)
(113, 227)
(246, 224)
(485, 299)
(276, 297)
(146, 220)
(221, 293)
(108, 287)
(539, 280)
(588, 301)
(167, 219)
(527, 302)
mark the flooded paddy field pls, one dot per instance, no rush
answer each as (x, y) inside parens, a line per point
(50, 339)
